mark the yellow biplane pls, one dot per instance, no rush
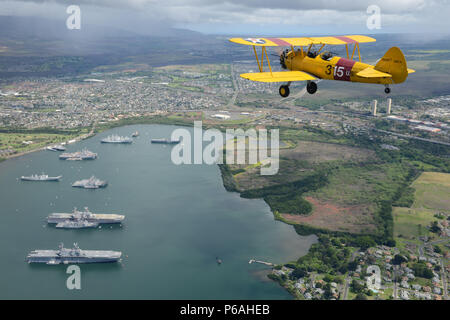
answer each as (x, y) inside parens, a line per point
(311, 64)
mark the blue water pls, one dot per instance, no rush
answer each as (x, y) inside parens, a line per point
(178, 220)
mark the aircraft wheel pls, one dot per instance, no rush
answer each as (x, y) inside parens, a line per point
(284, 91)
(387, 90)
(311, 87)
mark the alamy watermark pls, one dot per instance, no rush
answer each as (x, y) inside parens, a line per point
(374, 20)
(73, 22)
(74, 280)
(250, 147)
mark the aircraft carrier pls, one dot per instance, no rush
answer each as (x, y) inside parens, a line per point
(116, 139)
(40, 177)
(91, 183)
(84, 154)
(74, 255)
(99, 218)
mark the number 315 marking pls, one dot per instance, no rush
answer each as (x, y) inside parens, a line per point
(338, 71)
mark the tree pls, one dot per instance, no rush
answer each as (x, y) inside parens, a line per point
(356, 286)
(399, 259)
(421, 270)
(299, 272)
(361, 296)
(365, 242)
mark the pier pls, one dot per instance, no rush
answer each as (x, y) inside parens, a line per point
(261, 262)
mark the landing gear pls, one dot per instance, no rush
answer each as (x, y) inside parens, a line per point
(311, 87)
(284, 91)
(387, 90)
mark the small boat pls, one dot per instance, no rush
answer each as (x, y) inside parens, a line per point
(136, 134)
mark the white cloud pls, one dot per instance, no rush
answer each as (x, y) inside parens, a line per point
(217, 15)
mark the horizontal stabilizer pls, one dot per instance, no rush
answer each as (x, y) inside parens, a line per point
(372, 73)
(283, 76)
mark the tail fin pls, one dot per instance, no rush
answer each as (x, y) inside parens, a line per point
(394, 63)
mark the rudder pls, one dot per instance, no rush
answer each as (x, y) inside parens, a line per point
(394, 63)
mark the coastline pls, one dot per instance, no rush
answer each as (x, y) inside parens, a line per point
(20, 154)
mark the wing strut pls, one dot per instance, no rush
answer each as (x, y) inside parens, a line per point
(261, 65)
(257, 60)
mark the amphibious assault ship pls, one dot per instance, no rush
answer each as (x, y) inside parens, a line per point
(75, 255)
(40, 177)
(116, 139)
(84, 154)
(91, 183)
(85, 215)
(76, 224)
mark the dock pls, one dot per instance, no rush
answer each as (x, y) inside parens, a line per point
(261, 262)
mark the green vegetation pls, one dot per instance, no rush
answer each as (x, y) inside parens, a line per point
(27, 141)
(430, 196)
(288, 197)
(421, 270)
(331, 255)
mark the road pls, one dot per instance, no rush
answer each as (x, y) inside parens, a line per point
(412, 137)
(347, 280)
(236, 89)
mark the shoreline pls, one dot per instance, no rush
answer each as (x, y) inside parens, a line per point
(20, 154)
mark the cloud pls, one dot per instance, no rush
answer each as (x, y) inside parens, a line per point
(222, 16)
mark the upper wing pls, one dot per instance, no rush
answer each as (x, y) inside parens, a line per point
(372, 73)
(283, 76)
(285, 42)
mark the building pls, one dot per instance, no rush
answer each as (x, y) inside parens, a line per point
(389, 105)
(374, 107)
(221, 116)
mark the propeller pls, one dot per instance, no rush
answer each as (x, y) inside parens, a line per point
(281, 54)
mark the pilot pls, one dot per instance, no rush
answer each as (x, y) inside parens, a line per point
(327, 55)
(312, 54)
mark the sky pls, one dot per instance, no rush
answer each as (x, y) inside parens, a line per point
(248, 17)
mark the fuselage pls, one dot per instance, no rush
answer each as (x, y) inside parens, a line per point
(333, 68)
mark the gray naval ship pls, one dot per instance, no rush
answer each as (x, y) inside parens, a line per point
(76, 224)
(40, 177)
(84, 154)
(86, 215)
(74, 255)
(56, 148)
(165, 141)
(116, 139)
(91, 183)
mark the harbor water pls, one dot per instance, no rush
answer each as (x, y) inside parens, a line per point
(179, 220)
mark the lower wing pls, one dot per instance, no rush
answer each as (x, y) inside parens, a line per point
(283, 76)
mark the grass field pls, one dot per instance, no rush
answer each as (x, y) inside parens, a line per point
(298, 162)
(431, 197)
(348, 202)
(412, 222)
(15, 141)
(432, 191)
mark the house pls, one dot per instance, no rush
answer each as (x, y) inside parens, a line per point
(405, 284)
(416, 287)
(437, 290)
(404, 295)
